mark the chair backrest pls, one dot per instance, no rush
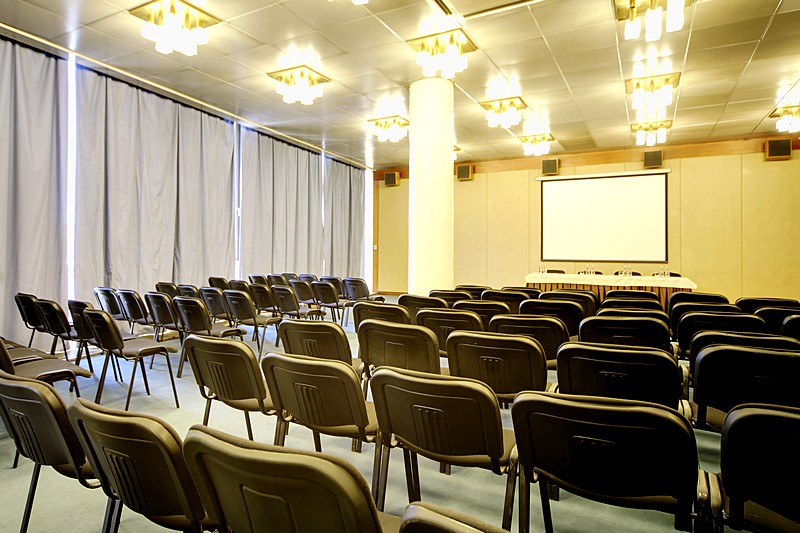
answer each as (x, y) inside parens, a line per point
(190, 291)
(450, 296)
(277, 279)
(696, 297)
(703, 339)
(587, 302)
(337, 282)
(758, 461)
(162, 309)
(726, 376)
(135, 309)
(618, 371)
(6, 362)
(530, 291)
(791, 326)
(325, 292)
(285, 299)
(445, 321)
(620, 452)
(320, 394)
(262, 297)
(76, 308)
(381, 311)
(35, 417)
(398, 345)
(168, 288)
(510, 298)
(474, 290)
(107, 298)
(550, 332)
(218, 282)
(303, 291)
(414, 303)
(750, 304)
(250, 487)
(289, 276)
(694, 322)
(240, 304)
(54, 318)
(632, 303)
(239, 285)
(227, 369)
(194, 314)
(774, 317)
(622, 311)
(315, 338)
(215, 301)
(629, 293)
(308, 277)
(681, 308)
(570, 313)
(26, 303)
(258, 278)
(587, 292)
(356, 288)
(139, 459)
(508, 363)
(632, 331)
(103, 329)
(441, 417)
(486, 309)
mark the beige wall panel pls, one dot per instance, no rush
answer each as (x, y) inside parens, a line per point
(535, 220)
(770, 227)
(711, 223)
(469, 239)
(508, 226)
(674, 250)
(393, 237)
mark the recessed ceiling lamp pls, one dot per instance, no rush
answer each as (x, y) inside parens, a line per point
(392, 129)
(300, 82)
(629, 10)
(788, 110)
(651, 96)
(443, 52)
(174, 26)
(651, 133)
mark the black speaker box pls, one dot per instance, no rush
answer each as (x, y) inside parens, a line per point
(391, 179)
(550, 167)
(464, 172)
(653, 159)
(778, 149)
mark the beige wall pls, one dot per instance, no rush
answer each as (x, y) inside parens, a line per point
(734, 225)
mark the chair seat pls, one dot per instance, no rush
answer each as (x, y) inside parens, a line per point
(20, 354)
(250, 404)
(306, 313)
(140, 347)
(351, 430)
(223, 330)
(481, 461)
(49, 369)
(389, 522)
(261, 320)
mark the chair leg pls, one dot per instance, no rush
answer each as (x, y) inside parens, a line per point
(208, 412)
(15, 463)
(511, 485)
(247, 423)
(172, 379)
(102, 379)
(376, 465)
(181, 362)
(356, 446)
(144, 375)
(317, 443)
(444, 468)
(64, 345)
(53, 346)
(26, 516)
(524, 501)
(280, 432)
(383, 477)
(543, 493)
(130, 385)
(112, 515)
(30, 341)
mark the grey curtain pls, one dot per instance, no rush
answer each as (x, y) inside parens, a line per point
(33, 177)
(344, 219)
(256, 217)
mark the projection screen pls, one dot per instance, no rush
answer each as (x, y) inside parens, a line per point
(621, 218)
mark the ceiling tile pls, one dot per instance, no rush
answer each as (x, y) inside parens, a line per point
(76, 12)
(407, 21)
(728, 34)
(230, 9)
(360, 34)
(154, 63)
(587, 38)
(555, 16)
(228, 70)
(320, 15)
(530, 49)
(364, 83)
(226, 39)
(589, 59)
(272, 24)
(94, 44)
(717, 12)
(504, 28)
(35, 20)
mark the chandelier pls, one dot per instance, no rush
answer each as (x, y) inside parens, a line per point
(537, 145)
(392, 129)
(788, 110)
(651, 96)
(174, 25)
(651, 133)
(505, 112)
(300, 82)
(654, 17)
(443, 52)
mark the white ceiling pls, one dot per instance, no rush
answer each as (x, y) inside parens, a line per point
(568, 55)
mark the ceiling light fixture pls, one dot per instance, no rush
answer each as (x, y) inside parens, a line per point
(651, 133)
(392, 129)
(300, 82)
(456, 149)
(537, 145)
(651, 96)
(788, 110)
(174, 26)
(504, 112)
(654, 17)
(443, 52)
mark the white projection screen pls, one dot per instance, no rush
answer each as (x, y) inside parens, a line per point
(619, 218)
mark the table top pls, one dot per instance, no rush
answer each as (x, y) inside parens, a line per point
(612, 281)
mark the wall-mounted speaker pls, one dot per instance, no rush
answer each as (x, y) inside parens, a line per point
(653, 159)
(391, 179)
(778, 149)
(550, 167)
(464, 172)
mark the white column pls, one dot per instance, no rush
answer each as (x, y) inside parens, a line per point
(430, 197)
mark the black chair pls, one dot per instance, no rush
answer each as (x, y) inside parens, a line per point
(414, 303)
(694, 322)
(640, 313)
(530, 291)
(304, 292)
(308, 277)
(774, 317)
(727, 376)
(587, 292)
(135, 308)
(628, 293)
(442, 322)
(39, 366)
(327, 297)
(680, 309)
(631, 303)
(277, 279)
(750, 304)
(165, 316)
(759, 467)
(569, 312)
(450, 296)
(168, 288)
(619, 452)
(356, 289)
(216, 304)
(289, 276)
(791, 326)
(189, 291)
(239, 285)
(380, 311)
(218, 283)
(57, 325)
(474, 290)
(263, 299)
(261, 279)
(82, 329)
(107, 299)
(695, 297)
(486, 309)
(288, 304)
(196, 320)
(550, 332)
(587, 302)
(244, 313)
(315, 338)
(703, 339)
(337, 283)
(625, 330)
(511, 298)
(26, 304)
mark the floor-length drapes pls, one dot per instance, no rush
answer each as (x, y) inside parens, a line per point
(33, 166)
(344, 219)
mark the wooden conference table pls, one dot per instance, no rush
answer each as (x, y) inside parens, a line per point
(663, 286)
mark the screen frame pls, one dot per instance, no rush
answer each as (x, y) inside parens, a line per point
(663, 171)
